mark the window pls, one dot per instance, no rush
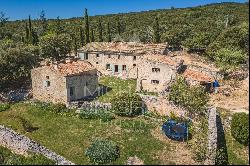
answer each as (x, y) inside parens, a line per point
(107, 66)
(155, 82)
(134, 65)
(134, 58)
(97, 55)
(156, 70)
(71, 91)
(109, 56)
(47, 77)
(119, 56)
(116, 68)
(86, 56)
(47, 84)
(124, 67)
(97, 63)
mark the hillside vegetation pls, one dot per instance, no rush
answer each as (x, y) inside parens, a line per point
(218, 31)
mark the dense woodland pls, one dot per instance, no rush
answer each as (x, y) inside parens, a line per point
(217, 31)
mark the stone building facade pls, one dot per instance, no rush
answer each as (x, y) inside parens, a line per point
(148, 63)
(63, 82)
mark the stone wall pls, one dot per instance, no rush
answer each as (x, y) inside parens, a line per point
(212, 137)
(146, 75)
(87, 105)
(56, 92)
(22, 144)
(210, 72)
(102, 60)
(84, 85)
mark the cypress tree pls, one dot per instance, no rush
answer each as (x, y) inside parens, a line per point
(86, 18)
(30, 31)
(157, 36)
(43, 22)
(119, 26)
(81, 36)
(26, 33)
(100, 30)
(92, 35)
(109, 32)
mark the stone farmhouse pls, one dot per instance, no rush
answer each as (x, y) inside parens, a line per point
(148, 63)
(62, 82)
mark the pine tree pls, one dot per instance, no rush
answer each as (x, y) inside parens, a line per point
(109, 32)
(81, 36)
(100, 30)
(92, 35)
(86, 18)
(157, 36)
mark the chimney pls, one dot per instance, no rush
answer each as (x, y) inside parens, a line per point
(55, 65)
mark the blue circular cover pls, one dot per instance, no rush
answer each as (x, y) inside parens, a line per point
(174, 130)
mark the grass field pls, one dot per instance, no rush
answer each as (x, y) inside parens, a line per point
(9, 158)
(117, 85)
(69, 136)
(238, 154)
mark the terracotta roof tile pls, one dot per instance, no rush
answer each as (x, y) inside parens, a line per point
(127, 47)
(161, 59)
(197, 76)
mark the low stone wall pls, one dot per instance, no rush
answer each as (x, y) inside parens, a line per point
(87, 105)
(212, 136)
(22, 144)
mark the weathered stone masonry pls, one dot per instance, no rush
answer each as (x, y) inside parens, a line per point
(22, 144)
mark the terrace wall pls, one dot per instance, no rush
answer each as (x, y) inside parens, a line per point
(22, 144)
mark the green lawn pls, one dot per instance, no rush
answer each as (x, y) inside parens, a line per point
(9, 158)
(237, 153)
(117, 85)
(69, 136)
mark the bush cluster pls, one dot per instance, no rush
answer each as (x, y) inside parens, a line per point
(126, 104)
(102, 151)
(4, 106)
(104, 115)
(240, 127)
(193, 98)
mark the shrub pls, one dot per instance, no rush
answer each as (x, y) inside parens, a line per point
(4, 106)
(193, 98)
(240, 128)
(126, 104)
(102, 152)
(96, 114)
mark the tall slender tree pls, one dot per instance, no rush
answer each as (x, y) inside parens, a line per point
(3, 19)
(109, 32)
(100, 30)
(26, 33)
(30, 30)
(86, 18)
(81, 36)
(59, 28)
(119, 26)
(157, 37)
(43, 22)
(92, 35)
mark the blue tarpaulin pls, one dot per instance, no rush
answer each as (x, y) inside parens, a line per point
(174, 130)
